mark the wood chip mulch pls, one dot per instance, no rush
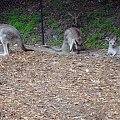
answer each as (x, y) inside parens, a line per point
(42, 86)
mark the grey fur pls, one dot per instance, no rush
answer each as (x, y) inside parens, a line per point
(73, 41)
(112, 51)
(8, 34)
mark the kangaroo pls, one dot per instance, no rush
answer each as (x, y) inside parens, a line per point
(73, 41)
(112, 51)
(8, 34)
(73, 38)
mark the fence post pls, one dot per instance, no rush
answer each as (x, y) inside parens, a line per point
(42, 27)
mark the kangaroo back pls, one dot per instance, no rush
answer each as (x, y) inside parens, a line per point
(74, 37)
(73, 41)
(74, 33)
(11, 34)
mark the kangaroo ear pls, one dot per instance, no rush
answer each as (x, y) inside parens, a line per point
(114, 38)
(107, 39)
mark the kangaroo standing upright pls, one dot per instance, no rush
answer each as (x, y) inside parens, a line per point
(8, 34)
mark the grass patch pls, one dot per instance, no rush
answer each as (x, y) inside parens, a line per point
(98, 22)
(100, 26)
(25, 23)
(95, 41)
(54, 24)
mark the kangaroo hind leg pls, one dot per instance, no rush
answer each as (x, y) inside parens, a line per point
(71, 43)
(5, 44)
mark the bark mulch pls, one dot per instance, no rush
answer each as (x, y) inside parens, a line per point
(43, 86)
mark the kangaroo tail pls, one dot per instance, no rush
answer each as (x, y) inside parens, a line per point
(53, 48)
(56, 49)
(25, 49)
(21, 44)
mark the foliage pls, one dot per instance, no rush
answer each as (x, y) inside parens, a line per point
(54, 24)
(101, 25)
(57, 4)
(95, 41)
(25, 23)
(98, 23)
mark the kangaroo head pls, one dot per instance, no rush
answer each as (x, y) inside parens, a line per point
(111, 41)
(79, 44)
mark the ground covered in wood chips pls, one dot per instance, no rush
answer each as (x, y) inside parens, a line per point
(43, 86)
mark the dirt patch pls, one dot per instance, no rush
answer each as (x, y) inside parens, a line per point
(42, 86)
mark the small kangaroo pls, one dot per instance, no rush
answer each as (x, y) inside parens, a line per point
(8, 34)
(73, 38)
(112, 51)
(73, 41)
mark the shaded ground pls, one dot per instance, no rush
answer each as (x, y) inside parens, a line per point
(43, 86)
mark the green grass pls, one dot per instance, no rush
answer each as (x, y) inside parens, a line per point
(94, 40)
(98, 23)
(102, 26)
(25, 23)
(54, 24)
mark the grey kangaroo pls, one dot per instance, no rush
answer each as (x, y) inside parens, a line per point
(73, 41)
(73, 38)
(8, 34)
(112, 51)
